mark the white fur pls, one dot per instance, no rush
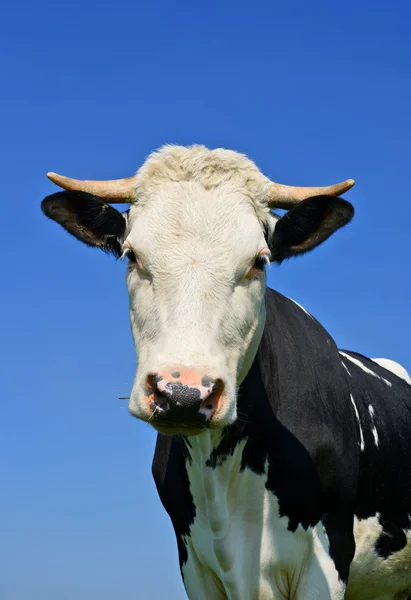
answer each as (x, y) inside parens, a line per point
(361, 365)
(196, 231)
(362, 445)
(374, 578)
(345, 367)
(374, 428)
(240, 547)
(394, 367)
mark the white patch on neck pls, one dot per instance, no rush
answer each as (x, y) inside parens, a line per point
(362, 444)
(239, 546)
(364, 368)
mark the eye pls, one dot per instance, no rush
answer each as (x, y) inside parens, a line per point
(130, 255)
(259, 262)
(128, 252)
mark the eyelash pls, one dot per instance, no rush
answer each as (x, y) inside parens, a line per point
(129, 254)
(260, 262)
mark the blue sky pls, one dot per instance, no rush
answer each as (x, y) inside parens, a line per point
(314, 92)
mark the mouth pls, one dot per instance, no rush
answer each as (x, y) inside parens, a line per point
(173, 424)
(179, 429)
(163, 424)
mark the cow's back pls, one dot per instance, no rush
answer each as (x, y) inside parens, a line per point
(382, 403)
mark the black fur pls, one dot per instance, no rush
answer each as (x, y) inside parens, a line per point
(298, 418)
(173, 486)
(307, 225)
(88, 218)
(385, 482)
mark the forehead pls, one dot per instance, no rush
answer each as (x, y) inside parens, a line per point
(185, 213)
(216, 195)
(189, 206)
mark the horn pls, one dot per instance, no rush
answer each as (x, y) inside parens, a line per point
(115, 191)
(287, 196)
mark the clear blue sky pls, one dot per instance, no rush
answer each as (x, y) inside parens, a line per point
(314, 92)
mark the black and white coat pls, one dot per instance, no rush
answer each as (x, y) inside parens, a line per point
(301, 489)
(308, 495)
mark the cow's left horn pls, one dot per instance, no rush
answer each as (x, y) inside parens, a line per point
(287, 196)
(115, 191)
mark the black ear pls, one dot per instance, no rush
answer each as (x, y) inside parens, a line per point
(88, 218)
(308, 224)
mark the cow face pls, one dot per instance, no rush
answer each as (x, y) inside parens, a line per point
(196, 240)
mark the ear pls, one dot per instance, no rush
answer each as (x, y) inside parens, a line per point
(88, 218)
(307, 225)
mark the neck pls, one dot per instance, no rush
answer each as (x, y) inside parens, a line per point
(216, 443)
(211, 477)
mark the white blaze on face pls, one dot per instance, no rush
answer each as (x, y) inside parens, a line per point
(194, 304)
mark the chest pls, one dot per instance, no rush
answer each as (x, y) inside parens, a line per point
(240, 544)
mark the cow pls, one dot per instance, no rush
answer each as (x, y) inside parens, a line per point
(283, 462)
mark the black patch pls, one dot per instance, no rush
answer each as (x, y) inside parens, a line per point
(297, 417)
(384, 484)
(183, 405)
(87, 218)
(307, 225)
(173, 486)
(183, 396)
(393, 539)
(148, 391)
(175, 374)
(293, 479)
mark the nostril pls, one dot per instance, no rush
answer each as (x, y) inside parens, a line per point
(218, 384)
(210, 404)
(158, 398)
(160, 402)
(161, 399)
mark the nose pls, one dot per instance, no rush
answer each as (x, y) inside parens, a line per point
(184, 396)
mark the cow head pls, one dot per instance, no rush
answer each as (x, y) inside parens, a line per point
(197, 237)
